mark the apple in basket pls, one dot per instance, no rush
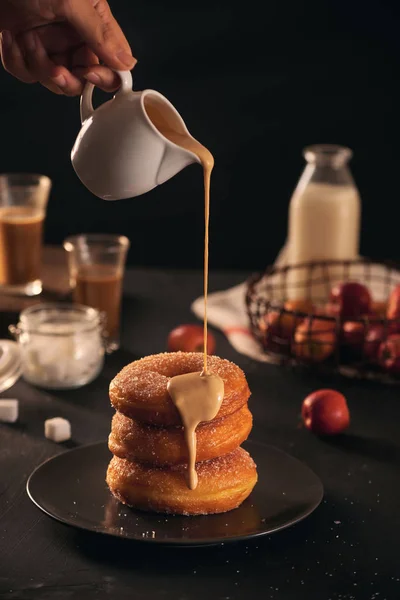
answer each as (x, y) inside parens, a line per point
(374, 337)
(314, 339)
(278, 327)
(352, 336)
(331, 310)
(353, 299)
(300, 306)
(379, 309)
(389, 354)
(393, 309)
(363, 339)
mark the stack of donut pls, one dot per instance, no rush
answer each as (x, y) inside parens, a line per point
(150, 458)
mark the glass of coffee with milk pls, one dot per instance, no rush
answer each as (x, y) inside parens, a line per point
(96, 269)
(23, 203)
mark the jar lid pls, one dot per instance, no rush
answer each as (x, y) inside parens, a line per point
(59, 319)
(10, 364)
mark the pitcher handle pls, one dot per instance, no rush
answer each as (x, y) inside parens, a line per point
(86, 99)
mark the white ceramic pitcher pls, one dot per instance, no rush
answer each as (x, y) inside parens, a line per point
(119, 153)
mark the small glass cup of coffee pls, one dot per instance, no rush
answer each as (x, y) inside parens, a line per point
(23, 203)
(96, 265)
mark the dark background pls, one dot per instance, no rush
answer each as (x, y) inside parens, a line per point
(255, 82)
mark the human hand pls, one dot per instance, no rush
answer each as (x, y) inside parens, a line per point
(60, 44)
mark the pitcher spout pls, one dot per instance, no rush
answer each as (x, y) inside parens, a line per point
(174, 160)
(169, 125)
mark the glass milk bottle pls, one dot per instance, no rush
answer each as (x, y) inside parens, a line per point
(324, 216)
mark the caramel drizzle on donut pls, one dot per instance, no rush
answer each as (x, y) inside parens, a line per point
(198, 397)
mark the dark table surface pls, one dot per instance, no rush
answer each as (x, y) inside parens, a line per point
(348, 549)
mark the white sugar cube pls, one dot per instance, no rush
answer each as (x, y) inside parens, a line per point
(8, 410)
(57, 429)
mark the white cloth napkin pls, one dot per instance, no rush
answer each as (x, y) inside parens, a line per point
(227, 309)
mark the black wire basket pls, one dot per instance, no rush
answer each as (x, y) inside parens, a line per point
(295, 323)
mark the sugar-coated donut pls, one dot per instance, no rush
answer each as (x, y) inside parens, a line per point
(223, 484)
(160, 446)
(140, 390)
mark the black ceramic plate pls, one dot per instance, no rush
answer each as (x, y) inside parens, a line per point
(70, 488)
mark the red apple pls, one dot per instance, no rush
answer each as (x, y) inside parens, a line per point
(352, 298)
(278, 329)
(325, 412)
(331, 310)
(373, 339)
(393, 309)
(300, 306)
(314, 339)
(389, 354)
(379, 309)
(353, 333)
(190, 338)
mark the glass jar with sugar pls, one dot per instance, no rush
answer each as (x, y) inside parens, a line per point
(61, 345)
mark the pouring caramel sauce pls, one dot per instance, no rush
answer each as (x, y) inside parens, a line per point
(197, 396)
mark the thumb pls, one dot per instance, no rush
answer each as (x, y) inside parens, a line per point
(101, 32)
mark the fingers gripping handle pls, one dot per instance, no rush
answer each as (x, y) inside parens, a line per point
(86, 99)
